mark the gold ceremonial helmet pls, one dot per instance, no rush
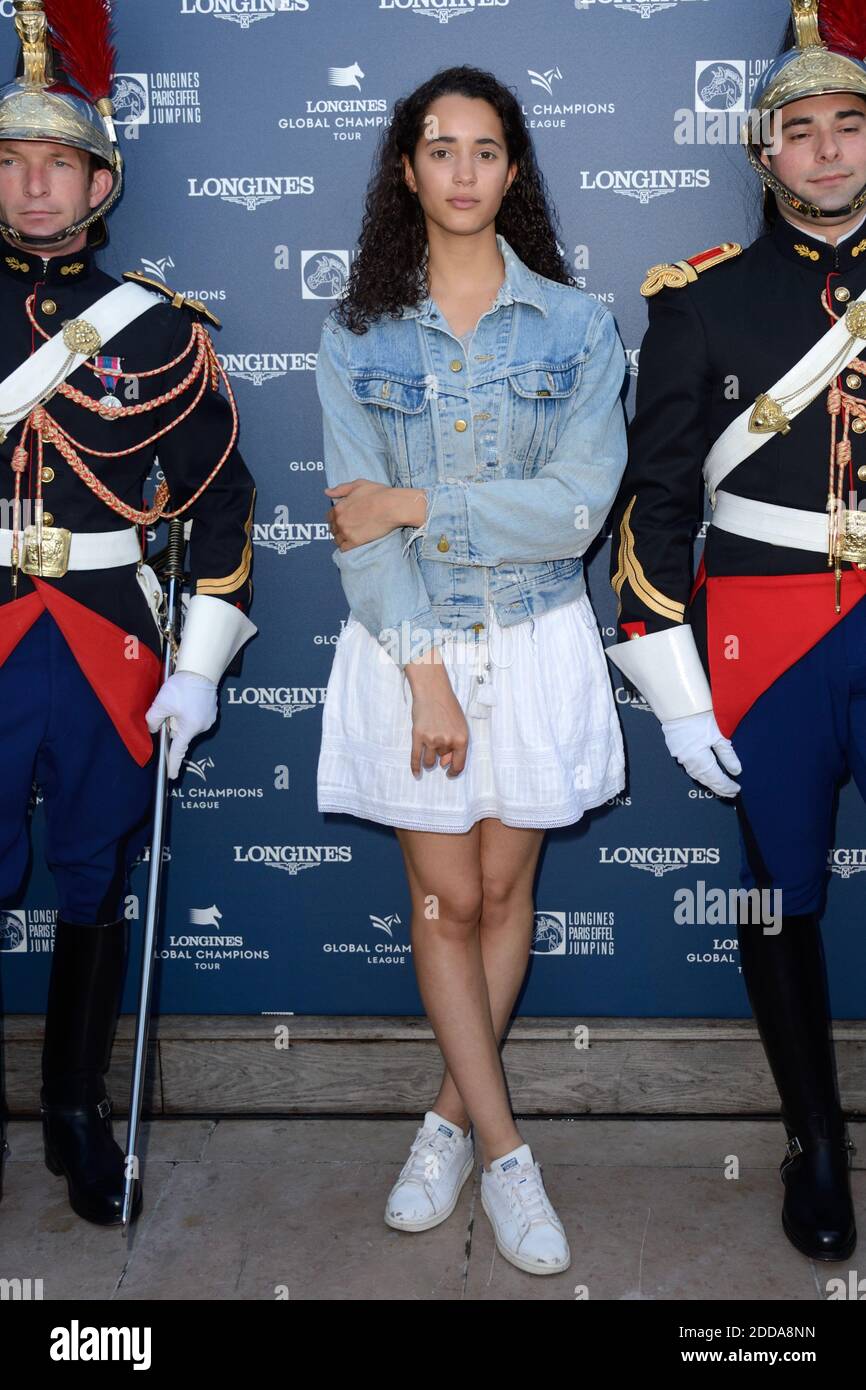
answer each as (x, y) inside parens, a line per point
(830, 39)
(72, 107)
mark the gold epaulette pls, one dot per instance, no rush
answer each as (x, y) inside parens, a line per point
(177, 299)
(674, 276)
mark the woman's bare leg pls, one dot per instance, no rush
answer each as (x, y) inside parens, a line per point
(509, 859)
(471, 959)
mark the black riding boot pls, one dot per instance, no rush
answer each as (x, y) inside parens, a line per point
(84, 996)
(786, 979)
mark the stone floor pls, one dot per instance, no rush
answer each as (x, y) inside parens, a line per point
(292, 1208)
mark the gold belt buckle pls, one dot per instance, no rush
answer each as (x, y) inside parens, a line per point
(56, 541)
(852, 545)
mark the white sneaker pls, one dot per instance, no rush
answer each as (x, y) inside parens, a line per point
(439, 1162)
(528, 1231)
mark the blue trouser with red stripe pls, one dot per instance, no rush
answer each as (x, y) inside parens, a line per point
(796, 743)
(97, 798)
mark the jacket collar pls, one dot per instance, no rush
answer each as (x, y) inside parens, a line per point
(519, 284)
(30, 268)
(798, 245)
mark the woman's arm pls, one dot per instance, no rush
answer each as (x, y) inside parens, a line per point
(384, 588)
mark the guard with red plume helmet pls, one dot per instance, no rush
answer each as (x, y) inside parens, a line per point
(752, 397)
(64, 92)
(98, 379)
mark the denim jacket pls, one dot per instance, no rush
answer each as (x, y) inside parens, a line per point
(519, 443)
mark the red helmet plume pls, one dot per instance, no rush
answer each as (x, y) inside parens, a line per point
(82, 34)
(843, 26)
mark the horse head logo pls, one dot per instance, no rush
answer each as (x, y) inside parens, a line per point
(11, 931)
(129, 99)
(720, 87)
(548, 934)
(327, 270)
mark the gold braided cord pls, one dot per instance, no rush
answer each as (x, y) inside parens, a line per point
(47, 430)
(115, 412)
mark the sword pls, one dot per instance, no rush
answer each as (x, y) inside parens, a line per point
(172, 569)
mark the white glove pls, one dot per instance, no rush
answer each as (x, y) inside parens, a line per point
(189, 702)
(693, 740)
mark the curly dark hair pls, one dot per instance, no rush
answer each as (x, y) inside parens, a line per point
(389, 270)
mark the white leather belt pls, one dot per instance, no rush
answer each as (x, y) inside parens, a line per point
(88, 550)
(763, 521)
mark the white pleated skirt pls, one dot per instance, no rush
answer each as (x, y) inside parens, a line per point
(544, 737)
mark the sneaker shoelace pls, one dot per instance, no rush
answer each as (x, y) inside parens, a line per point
(527, 1198)
(429, 1148)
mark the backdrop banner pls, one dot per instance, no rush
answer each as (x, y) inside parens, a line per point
(249, 128)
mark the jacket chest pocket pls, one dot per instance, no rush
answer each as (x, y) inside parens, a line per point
(540, 399)
(401, 409)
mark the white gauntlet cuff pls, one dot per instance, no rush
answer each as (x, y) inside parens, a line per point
(213, 633)
(666, 668)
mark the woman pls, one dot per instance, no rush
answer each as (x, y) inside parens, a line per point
(469, 392)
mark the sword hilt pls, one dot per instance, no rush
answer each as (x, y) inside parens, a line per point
(175, 549)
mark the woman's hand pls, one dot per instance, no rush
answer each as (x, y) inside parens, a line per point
(439, 727)
(363, 511)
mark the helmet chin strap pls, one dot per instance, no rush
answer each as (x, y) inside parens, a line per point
(57, 238)
(798, 204)
(25, 241)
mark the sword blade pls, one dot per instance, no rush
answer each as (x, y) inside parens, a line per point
(132, 1166)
